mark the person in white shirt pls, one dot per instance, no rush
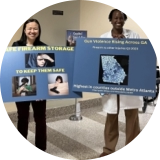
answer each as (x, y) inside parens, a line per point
(112, 103)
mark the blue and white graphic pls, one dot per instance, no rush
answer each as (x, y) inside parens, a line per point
(105, 65)
(112, 70)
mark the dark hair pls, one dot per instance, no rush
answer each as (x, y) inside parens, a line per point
(23, 38)
(25, 80)
(111, 14)
(59, 77)
(39, 54)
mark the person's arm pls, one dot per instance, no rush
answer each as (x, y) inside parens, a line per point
(20, 89)
(45, 56)
(30, 88)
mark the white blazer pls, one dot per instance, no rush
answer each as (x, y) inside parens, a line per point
(109, 102)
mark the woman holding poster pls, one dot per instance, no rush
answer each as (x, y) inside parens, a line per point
(112, 103)
(31, 37)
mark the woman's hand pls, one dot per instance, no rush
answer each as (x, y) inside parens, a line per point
(25, 90)
(121, 36)
(22, 89)
(57, 83)
(45, 56)
(118, 36)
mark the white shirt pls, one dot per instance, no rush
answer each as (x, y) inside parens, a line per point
(109, 102)
(126, 32)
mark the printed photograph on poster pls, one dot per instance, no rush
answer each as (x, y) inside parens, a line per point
(72, 35)
(39, 60)
(58, 84)
(23, 86)
(113, 69)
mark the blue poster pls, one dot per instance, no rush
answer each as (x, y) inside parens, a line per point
(1, 128)
(39, 72)
(72, 35)
(126, 66)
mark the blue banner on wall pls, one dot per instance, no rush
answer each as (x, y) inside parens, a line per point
(40, 72)
(72, 35)
(126, 66)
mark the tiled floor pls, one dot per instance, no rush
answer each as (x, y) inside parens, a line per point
(79, 140)
(82, 139)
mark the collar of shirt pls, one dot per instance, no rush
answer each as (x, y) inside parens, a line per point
(125, 33)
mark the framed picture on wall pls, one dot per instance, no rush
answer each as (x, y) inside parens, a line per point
(72, 35)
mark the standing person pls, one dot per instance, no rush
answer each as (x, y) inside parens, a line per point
(112, 103)
(31, 37)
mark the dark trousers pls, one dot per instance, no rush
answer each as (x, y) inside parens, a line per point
(39, 112)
